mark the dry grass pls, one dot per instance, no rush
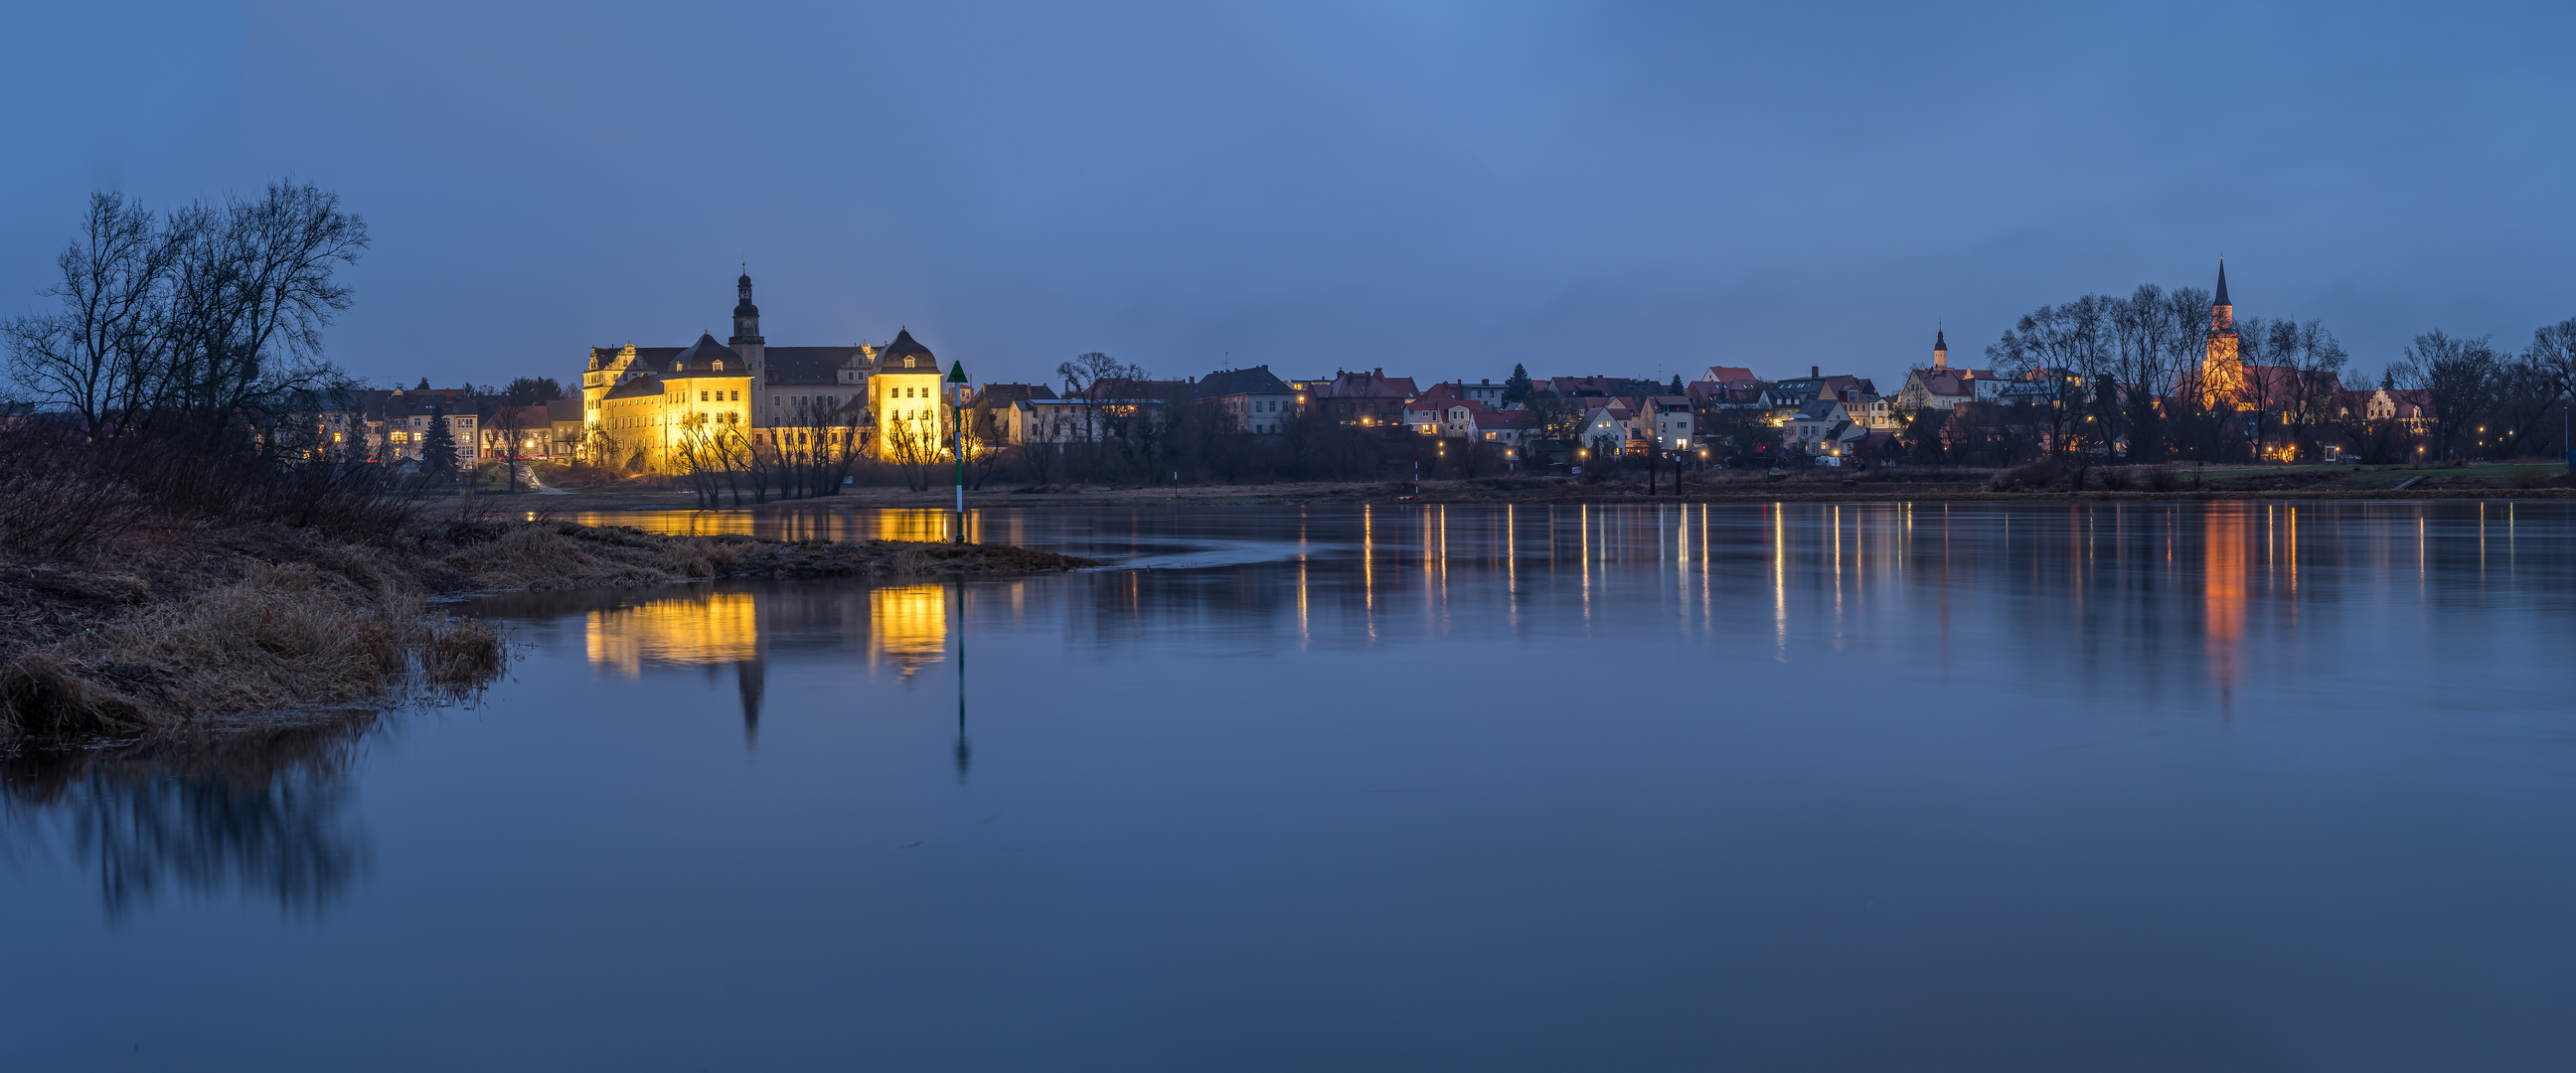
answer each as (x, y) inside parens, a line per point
(562, 555)
(291, 636)
(248, 619)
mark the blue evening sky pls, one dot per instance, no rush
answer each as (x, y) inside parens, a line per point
(1438, 189)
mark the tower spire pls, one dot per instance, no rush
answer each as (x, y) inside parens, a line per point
(1940, 348)
(2222, 284)
(746, 316)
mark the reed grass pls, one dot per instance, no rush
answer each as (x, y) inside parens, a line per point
(284, 636)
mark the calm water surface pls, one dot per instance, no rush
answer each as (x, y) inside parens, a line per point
(1815, 787)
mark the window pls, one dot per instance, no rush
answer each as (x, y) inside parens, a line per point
(775, 400)
(719, 366)
(702, 396)
(737, 396)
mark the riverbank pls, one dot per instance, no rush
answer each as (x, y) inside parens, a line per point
(191, 628)
(1910, 483)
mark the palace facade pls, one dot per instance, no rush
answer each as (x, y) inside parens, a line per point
(643, 407)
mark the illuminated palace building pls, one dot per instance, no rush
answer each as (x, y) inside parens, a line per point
(646, 407)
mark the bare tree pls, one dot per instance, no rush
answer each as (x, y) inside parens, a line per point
(252, 287)
(2056, 350)
(987, 441)
(90, 356)
(2526, 390)
(509, 424)
(2552, 359)
(913, 447)
(206, 323)
(2458, 377)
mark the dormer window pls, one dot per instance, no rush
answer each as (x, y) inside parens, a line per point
(719, 365)
(907, 363)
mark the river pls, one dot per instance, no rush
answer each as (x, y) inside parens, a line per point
(1939, 786)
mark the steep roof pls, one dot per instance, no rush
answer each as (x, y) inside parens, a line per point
(1253, 381)
(790, 366)
(905, 346)
(1438, 396)
(656, 357)
(2221, 299)
(1009, 394)
(1368, 385)
(702, 356)
(647, 384)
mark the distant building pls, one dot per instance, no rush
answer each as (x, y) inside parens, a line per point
(1247, 400)
(1510, 429)
(1668, 420)
(1363, 398)
(1941, 387)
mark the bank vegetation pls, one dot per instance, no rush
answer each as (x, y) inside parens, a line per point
(145, 588)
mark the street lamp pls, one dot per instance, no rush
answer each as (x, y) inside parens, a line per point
(956, 414)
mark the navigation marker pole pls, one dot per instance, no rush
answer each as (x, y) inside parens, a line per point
(957, 411)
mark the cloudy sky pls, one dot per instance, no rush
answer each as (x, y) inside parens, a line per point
(1439, 189)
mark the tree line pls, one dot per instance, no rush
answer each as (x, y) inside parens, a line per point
(2119, 375)
(203, 323)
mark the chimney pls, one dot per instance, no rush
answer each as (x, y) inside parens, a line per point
(1381, 372)
(1815, 370)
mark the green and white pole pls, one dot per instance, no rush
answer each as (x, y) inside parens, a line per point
(957, 415)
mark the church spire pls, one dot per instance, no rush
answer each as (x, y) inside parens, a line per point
(1940, 349)
(2222, 284)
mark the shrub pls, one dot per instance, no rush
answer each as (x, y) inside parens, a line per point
(2036, 476)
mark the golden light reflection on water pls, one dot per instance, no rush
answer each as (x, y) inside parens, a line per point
(707, 628)
(2223, 590)
(797, 523)
(908, 626)
(907, 629)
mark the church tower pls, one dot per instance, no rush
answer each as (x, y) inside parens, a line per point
(1940, 349)
(2222, 372)
(748, 346)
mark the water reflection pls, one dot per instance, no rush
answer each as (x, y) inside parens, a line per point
(1569, 616)
(703, 627)
(2223, 554)
(264, 814)
(2090, 594)
(907, 627)
(812, 522)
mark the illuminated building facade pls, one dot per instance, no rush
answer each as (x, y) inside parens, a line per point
(646, 405)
